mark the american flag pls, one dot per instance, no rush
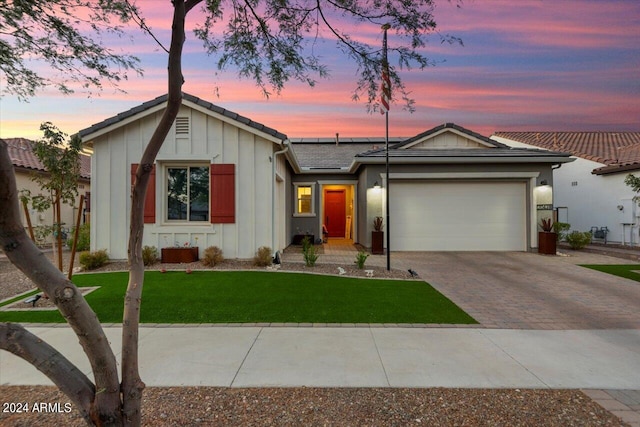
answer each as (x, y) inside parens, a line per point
(385, 96)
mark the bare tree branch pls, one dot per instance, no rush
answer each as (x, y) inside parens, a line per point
(70, 380)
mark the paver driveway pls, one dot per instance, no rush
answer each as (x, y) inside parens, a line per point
(530, 291)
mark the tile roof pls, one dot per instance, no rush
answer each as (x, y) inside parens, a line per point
(186, 97)
(22, 156)
(619, 151)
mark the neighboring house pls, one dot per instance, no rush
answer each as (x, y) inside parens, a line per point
(222, 179)
(26, 165)
(590, 192)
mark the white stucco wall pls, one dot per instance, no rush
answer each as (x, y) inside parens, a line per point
(591, 200)
(211, 140)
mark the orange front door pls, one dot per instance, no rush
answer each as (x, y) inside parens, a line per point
(335, 214)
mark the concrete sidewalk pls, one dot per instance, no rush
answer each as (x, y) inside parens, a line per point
(363, 357)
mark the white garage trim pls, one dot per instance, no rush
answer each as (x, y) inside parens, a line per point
(461, 175)
(458, 215)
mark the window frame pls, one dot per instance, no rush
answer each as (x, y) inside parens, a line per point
(165, 192)
(296, 199)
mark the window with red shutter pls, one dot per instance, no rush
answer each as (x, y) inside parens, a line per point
(150, 201)
(223, 193)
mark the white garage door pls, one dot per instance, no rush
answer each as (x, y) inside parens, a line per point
(458, 216)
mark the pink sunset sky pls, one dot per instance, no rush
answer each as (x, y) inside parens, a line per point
(529, 65)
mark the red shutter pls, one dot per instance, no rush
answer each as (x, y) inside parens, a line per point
(223, 193)
(150, 201)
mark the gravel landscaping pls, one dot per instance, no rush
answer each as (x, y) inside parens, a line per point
(209, 406)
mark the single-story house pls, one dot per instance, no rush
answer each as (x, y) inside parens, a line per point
(26, 164)
(224, 180)
(590, 192)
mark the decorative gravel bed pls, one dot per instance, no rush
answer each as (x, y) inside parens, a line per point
(209, 406)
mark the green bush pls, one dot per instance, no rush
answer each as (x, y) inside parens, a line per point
(83, 238)
(361, 258)
(561, 229)
(93, 260)
(310, 256)
(149, 255)
(263, 257)
(578, 239)
(306, 244)
(212, 256)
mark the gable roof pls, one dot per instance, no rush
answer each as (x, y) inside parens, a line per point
(618, 151)
(324, 155)
(186, 98)
(454, 128)
(22, 156)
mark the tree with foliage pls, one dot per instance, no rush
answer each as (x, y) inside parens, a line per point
(633, 182)
(267, 41)
(36, 32)
(60, 157)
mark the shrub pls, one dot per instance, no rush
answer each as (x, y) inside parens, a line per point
(263, 256)
(93, 260)
(578, 239)
(149, 255)
(83, 238)
(310, 256)
(546, 224)
(361, 258)
(212, 256)
(306, 244)
(561, 229)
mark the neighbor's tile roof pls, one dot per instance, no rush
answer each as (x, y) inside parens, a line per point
(186, 97)
(619, 151)
(22, 156)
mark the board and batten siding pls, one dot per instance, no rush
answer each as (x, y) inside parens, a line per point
(209, 141)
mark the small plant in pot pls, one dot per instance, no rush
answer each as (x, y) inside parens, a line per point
(377, 237)
(547, 239)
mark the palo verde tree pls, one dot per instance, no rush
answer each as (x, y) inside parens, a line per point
(268, 41)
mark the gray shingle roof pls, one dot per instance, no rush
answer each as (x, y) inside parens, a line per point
(194, 99)
(324, 153)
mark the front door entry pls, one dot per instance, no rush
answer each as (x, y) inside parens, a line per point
(335, 213)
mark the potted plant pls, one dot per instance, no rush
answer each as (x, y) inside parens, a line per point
(547, 238)
(377, 237)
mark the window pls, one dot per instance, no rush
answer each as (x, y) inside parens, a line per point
(188, 193)
(305, 205)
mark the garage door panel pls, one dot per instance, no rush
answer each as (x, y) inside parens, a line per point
(458, 216)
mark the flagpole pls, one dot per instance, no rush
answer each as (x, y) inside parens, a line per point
(387, 93)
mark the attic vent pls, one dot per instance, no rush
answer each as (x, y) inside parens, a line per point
(182, 126)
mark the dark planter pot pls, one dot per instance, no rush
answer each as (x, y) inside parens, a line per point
(179, 255)
(298, 238)
(377, 242)
(547, 242)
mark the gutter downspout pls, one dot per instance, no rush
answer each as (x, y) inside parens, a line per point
(273, 194)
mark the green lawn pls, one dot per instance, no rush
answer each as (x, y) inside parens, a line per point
(623, 270)
(254, 296)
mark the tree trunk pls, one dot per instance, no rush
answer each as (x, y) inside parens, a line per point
(132, 385)
(58, 228)
(22, 252)
(64, 374)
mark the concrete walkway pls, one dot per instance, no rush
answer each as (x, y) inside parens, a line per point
(363, 357)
